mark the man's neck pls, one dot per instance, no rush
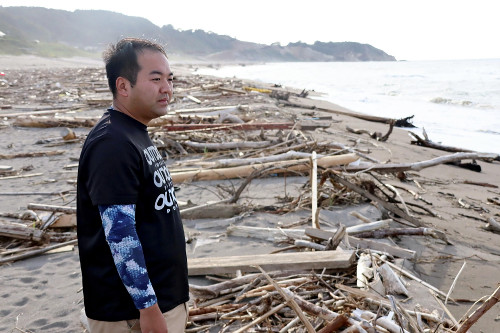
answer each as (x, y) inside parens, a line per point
(117, 106)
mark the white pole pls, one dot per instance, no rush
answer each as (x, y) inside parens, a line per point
(314, 189)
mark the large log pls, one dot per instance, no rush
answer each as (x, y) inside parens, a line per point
(246, 170)
(335, 260)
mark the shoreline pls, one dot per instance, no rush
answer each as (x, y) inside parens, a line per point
(46, 288)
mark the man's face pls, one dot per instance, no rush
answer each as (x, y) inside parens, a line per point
(152, 92)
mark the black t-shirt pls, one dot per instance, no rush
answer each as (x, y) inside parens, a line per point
(120, 165)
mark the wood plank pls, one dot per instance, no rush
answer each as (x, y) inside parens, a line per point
(336, 260)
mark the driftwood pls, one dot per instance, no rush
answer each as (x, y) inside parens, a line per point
(215, 290)
(227, 127)
(316, 310)
(290, 300)
(33, 154)
(391, 281)
(232, 162)
(492, 225)
(384, 322)
(309, 103)
(335, 240)
(261, 318)
(27, 215)
(413, 277)
(374, 135)
(52, 208)
(36, 252)
(244, 171)
(22, 231)
(364, 244)
(387, 205)
(212, 210)
(194, 99)
(35, 193)
(402, 232)
(45, 122)
(417, 166)
(334, 325)
(273, 233)
(364, 270)
(209, 109)
(429, 144)
(235, 91)
(227, 145)
(43, 112)
(229, 118)
(22, 176)
(316, 298)
(474, 317)
(285, 261)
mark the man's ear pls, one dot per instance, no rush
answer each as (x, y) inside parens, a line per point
(122, 86)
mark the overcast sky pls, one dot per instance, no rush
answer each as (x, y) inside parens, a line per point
(406, 29)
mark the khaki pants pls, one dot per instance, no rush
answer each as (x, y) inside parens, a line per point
(176, 323)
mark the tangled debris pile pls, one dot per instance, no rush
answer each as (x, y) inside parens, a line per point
(334, 276)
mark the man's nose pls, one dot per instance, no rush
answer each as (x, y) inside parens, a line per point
(168, 88)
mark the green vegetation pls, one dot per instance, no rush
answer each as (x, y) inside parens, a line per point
(58, 33)
(43, 49)
(57, 50)
(9, 45)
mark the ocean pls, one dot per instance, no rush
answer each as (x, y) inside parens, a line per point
(457, 102)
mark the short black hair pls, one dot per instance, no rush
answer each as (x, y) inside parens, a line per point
(121, 59)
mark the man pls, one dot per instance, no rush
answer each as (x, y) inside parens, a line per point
(130, 234)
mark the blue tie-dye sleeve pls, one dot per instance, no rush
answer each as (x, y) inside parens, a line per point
(119, 228)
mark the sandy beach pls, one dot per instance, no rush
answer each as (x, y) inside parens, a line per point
(43, 294)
